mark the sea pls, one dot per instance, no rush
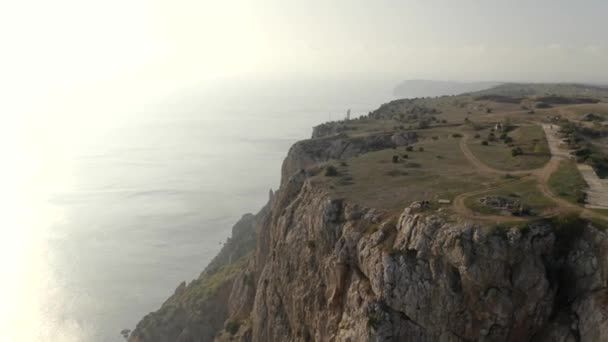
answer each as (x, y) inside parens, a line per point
(106, 215)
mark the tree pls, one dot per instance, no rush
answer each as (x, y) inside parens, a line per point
(516, 151)
(423, 124)
(331, 171)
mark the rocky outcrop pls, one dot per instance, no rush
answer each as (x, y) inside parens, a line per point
(325, 269)
(198, 310)
(330, 128)
(306, 153)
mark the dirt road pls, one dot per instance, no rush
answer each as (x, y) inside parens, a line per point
(542, 176)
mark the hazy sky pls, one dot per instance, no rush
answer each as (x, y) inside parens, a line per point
(50, 47)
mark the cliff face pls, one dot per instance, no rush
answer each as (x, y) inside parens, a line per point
(323, 269)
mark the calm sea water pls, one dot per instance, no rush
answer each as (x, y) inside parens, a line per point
(136, 206)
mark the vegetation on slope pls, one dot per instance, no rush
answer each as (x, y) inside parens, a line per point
(529, 141)
(568, 183)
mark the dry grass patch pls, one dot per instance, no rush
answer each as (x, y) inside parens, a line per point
(499, 155)
(375, 181)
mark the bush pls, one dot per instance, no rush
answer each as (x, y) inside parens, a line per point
(233, 327)
(568, 228)
(409, 148)
(374, 319)
(331, 171)
(421, 149)
(456, 135)
(395, 173)
(249, 280)
(516, 151)
(477, 136)
(508, 140)
(405, 156)
(395, 159)
(484, 143)
(581, 197)
(423, 124)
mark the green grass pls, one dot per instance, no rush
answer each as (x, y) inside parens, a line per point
(208, 284)
(567, 182)
(374, 181)
(601, 211)
(526, 192)
(530, 138)
(598, 223)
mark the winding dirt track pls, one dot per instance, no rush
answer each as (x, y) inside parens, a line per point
(541, 175)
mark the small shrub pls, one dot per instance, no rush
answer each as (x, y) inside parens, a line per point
(405, 156)
(233, 327)
(434, 137)
(508, 140)
(421, 149)
(477, 136)
(516, 151)
(311, 244)
(484, 143)
(331, 171)
(456, 135)
(581, 197)
(409, 148)
(343, 163)
(248, 279)
(371, 229)
(568, 228)
(395, 173)
(423, 124)
(375, 318)
(395, 159)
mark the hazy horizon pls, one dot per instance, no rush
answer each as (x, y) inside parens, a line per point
(123, 116)
(67, 47)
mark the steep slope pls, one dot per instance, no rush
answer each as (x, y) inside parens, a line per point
(327, 270)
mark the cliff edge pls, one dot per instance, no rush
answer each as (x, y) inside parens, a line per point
(313, 265)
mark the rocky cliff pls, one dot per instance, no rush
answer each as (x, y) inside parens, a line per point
(312, 267)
